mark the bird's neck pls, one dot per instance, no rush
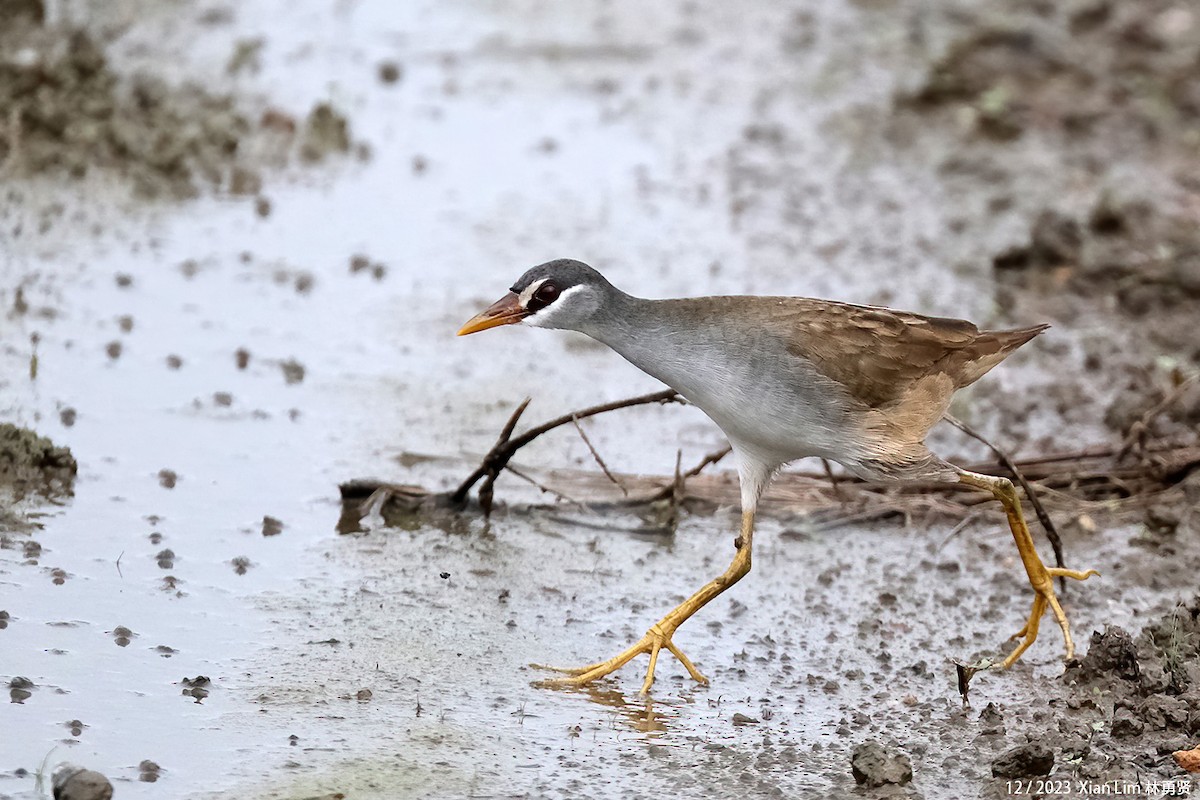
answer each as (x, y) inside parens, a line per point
(627, 324)
(643, 332)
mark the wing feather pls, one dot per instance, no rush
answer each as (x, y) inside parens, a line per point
(878, 354)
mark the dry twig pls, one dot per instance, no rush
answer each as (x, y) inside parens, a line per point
(833, 481)
(603, 467)
(1139, 431)
(1002, 457)
(676, 486)
(545, 488)
(505, 448)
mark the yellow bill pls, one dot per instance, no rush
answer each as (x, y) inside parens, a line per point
(505, 311)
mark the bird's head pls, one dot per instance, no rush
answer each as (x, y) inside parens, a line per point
(558, 294)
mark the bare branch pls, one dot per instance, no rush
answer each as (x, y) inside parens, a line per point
(676, 485)
(833, 480)
(511, 425)
(1086, 480)
(666, 396)
(530, 479)
(498, 457)
(675, 498)
(491, 472)
(711, 458)
(596, 456)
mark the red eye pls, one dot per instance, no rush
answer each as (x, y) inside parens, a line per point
(546, 294)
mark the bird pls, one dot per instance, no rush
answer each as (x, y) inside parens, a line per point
(786, 378)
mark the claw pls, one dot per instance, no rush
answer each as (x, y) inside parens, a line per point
(1041, 577)
(660, 633)
(655, 639)
(567, 670)
(1044, 596)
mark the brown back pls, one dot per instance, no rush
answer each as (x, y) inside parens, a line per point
(878, 353)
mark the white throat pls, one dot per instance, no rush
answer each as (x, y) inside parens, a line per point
(556, 315)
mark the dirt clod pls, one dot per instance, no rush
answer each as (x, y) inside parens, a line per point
(874, 765)
(293, 371)
(1032, 758)
(1126, 725)
(326, 132)
(148, 771)
(1188, 759)
(70, 782)
(1110, 652)
(390, 72)
(122, 635)
(991, 719)
(20, 689)
(76, 114)
(28, 460)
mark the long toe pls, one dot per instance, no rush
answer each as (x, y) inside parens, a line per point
(572, 682)
(687, 664)
(655, 640)
(1045, 598)
(1073, 574)
(1029, 632)
(579, 676)
(567, 670)
(1059, 615)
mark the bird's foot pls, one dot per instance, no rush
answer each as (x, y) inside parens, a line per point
(1044, 597)
(655, 640)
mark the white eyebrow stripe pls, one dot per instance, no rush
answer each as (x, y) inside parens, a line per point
(527, 295)
(548, 317)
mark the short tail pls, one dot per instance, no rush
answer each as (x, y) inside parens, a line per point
(989, 349)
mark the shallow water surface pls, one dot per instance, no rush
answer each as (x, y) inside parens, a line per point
(683, 151)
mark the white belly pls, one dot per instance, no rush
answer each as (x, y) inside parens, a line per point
(767, 402)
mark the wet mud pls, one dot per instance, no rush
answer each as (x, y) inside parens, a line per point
(69, 112)
(1096, 72)
(31, 461)
(194, 618)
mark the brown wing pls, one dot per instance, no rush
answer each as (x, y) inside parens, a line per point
(878, 353)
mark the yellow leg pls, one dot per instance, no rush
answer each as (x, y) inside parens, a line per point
(660, 633)
(1041, 577)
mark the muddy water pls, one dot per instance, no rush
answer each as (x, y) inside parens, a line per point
(683, 153)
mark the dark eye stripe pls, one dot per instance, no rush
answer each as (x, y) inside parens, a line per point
(546, 294)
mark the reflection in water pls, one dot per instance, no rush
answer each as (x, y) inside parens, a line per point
(643, 714)
(368, 505)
